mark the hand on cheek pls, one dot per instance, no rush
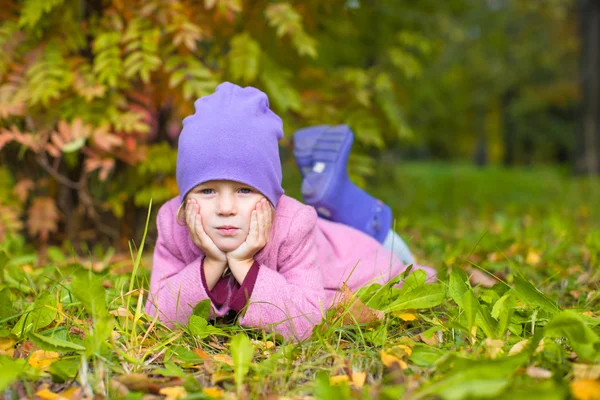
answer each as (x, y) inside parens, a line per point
(258, 235)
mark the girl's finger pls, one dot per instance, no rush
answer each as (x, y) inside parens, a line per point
(254, 226)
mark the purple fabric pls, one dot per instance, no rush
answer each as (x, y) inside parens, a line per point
(305, 262)
(233, 135)
(240, 298)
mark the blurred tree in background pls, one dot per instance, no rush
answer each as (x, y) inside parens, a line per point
(92, 93)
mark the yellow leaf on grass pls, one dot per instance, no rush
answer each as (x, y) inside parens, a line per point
(47, 394)
(389, 360)
(174, 392)
(405, 316)
(358, 379)
(224, 358)
(404, 348)
(41, 359)
(334, 380)
(533, 257)
(585, 389)
(214, 392)
(69, 394)
(7, 346)
(519, 346)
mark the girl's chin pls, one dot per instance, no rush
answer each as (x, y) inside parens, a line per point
(228, 247)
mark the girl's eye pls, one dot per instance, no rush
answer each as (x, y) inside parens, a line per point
(245, 190)
(207, 191)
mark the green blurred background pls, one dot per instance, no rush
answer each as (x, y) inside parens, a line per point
(459, 107)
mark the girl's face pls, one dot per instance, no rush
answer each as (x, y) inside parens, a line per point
(225, 208)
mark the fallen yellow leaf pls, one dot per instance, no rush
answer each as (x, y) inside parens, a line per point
(358, 379)
(389, 360)
(41, 359)
(335, 380)
(174, 392)
(404, 316)
(404, 348)
(47, 394)
(223, 358)
(533, 257)
(68, 394)
(7, 346)
(214, 392)
(493, 347)
(519, 346)
(585, 389)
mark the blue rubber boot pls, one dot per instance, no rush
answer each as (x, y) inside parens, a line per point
(304, 142)
(328, 188)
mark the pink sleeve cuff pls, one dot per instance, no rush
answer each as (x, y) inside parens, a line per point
(242, 295)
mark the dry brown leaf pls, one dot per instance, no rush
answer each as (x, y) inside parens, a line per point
(223, 358)
(42, 217)
(477, 277)
(586, 371)
(539, 373)
(201, 353)
(493, 347)
(353, 310)
(41, 359)
(139, 383)
(585, 389)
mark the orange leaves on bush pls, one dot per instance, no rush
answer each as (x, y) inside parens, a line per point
(15, 135)
(22, 188)
(42, 217)
(104, 164)
(9, 220)
(68, 138)
(353, 310)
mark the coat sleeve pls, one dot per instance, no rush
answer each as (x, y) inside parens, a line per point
(175, 286)
(291, 299)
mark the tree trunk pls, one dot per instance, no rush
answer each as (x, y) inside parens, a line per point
(588, 144)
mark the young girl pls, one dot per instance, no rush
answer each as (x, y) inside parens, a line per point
(233, 237)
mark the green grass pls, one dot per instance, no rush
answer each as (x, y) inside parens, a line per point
(536, 230)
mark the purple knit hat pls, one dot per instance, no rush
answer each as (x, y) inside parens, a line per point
(233, 135)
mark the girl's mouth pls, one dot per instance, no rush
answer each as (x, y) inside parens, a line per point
(227, 230)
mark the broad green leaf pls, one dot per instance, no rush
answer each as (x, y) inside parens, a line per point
(65, 369)
(475, 379)
(471, 307)
(10, 370)
(39, 315)
(324, 390)
(89, 290)
(414, 280)
(503, 310)
(49, 343)
(457, 286)
(242, 352)
(202, 309)
(582, 338)
(425, 296)
(200, 327)
(425, 356)
(74, 145)
(96, 341)
(532, 296)
(6, 304)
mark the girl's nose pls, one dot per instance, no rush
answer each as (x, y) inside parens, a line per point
(227, 205)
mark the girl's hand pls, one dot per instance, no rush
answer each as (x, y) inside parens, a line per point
(198, 234)
(258, 236)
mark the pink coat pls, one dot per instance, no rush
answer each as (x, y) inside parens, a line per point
(297, 273)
